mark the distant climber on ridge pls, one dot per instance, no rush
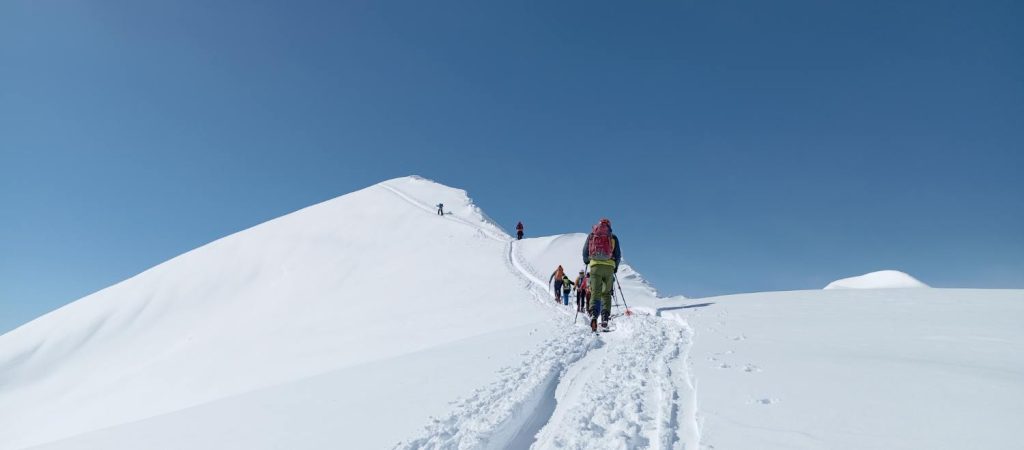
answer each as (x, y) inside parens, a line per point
(440, 209)
(557, 277)
(601, 253)
(519, 231)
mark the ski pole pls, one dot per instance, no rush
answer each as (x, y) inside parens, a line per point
(628, 312)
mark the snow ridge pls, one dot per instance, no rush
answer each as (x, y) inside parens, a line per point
(263, 308)
(486, 228)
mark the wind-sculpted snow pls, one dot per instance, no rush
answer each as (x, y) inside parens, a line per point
(500, 415)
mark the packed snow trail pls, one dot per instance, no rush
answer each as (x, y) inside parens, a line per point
(631, 393)
(621, 390)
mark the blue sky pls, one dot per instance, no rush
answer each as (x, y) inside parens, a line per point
(737, 146)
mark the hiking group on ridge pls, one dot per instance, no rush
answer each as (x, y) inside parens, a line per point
(602, 253)
(594, 286)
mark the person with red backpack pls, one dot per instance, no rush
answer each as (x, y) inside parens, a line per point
(519, 231)
(602, 253)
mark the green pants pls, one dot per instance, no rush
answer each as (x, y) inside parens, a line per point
(601, 277)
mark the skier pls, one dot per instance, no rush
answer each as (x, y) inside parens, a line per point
(567, 285)
(519, 231)
(581, 290)
(602, 253)
(440, 209)
(557, 277)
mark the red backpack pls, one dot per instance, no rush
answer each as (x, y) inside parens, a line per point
(601, 245)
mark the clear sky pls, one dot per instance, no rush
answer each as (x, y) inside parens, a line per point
(737, 146)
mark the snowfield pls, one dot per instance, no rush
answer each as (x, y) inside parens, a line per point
(369, 321)
(855, 369)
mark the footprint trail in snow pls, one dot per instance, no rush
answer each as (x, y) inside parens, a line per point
(623, 390)
(634, 392)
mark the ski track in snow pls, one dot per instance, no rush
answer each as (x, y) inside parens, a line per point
(629, 389)
(500, 415)
(628, 395)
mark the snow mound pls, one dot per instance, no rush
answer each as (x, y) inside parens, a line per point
(883, 279)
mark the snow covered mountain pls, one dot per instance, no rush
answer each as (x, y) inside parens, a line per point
(369, 277)
(369, 321)
(883, 279)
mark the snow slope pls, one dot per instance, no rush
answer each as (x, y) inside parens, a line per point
(365, 283)
(883, 279)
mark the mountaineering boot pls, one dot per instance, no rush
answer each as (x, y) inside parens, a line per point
(593, 324)
(604, 326)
